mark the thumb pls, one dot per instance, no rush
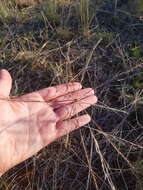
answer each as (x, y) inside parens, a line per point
(5, 83)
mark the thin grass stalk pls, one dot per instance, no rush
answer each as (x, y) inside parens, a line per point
(84, 16)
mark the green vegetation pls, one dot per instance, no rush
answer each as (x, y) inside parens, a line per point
(100, 44)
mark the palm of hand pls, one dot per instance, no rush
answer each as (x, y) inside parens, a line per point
(30, 122)
(22, 131)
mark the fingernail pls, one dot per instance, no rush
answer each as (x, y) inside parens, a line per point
(92, 92)
(78, 84)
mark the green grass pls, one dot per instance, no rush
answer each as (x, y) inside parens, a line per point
(98, 43)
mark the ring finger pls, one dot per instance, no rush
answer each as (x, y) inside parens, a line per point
(70, 110)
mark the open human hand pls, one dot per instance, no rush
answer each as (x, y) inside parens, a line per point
(30, 122)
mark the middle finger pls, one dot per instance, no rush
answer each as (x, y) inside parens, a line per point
(71, 97)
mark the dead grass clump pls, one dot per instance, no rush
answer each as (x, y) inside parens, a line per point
(27, 2)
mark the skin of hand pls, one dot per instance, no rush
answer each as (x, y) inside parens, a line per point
(30, 122)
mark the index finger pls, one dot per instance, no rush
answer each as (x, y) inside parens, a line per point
(59, 90)
(50, 93)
